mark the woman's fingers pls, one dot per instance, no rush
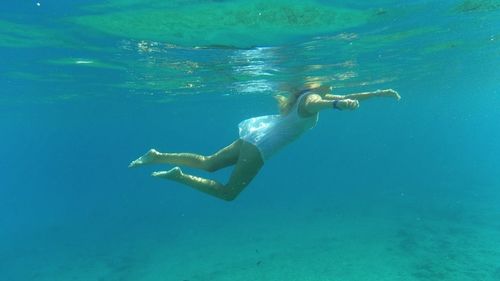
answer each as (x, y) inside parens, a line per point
(349, 104)
(355, 104)
(389, 93)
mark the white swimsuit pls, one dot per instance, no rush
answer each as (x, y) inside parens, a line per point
(270, 133)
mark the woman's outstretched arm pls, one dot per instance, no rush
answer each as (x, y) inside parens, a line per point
(315, 103)
(365, 95)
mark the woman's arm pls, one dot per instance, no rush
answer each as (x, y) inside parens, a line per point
(365, 95)
(315, 103)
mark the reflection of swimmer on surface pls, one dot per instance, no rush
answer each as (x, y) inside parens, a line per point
(260, 138)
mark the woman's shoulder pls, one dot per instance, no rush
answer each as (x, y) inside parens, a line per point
(304, 102)
(309, 98)
(313, 96)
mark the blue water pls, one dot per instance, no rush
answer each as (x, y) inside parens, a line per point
(404, 190)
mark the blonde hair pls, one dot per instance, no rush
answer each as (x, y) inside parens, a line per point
(285, 104)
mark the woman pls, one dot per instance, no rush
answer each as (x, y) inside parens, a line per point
(260, 138)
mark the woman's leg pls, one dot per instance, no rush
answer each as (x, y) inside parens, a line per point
(247, 167)
(222, 158)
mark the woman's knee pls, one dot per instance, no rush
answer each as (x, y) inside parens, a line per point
(230, 196)
(231, 192)
(209, 164)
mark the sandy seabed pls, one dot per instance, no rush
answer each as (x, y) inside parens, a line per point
(321, 243)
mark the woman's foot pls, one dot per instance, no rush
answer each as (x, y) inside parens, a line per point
(149, 158)
(171, 174)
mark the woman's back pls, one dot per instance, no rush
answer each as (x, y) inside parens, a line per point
(270, 133)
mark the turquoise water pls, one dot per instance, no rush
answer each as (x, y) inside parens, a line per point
(404, 190)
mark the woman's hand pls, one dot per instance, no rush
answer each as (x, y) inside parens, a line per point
(347, 104)
(388, 93)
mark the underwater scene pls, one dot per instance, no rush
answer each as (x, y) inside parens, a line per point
(405, 190)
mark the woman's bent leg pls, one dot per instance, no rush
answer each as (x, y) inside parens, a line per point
(222, 158)
(248, 165)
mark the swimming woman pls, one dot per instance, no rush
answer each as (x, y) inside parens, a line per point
(260, 138)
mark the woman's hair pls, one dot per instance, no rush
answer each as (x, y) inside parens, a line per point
(285, 103)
